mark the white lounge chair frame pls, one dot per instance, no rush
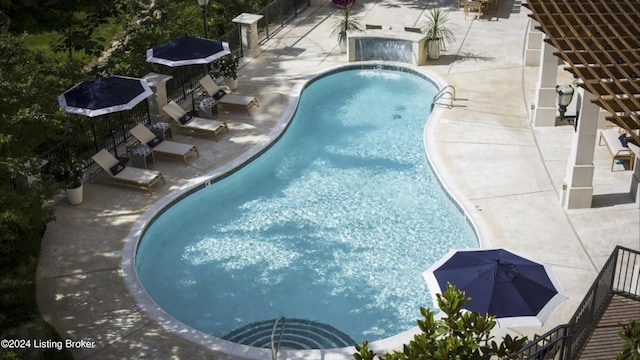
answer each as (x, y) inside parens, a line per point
(176, 111)
(129, 175)
(166, 147)
(230, 99)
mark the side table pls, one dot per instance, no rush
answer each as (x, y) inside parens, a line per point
(162, 130)
(208, 108)
(142, 157)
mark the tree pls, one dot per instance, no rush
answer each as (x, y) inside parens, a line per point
(29, 117)
(461, 335)
(79, 21)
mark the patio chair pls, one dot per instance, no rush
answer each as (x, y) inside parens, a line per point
(118, 172)
(187, 122)
(159, 146)
(221, 96)
(474, 6)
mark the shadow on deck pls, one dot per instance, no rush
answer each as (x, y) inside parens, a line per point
(604, 342)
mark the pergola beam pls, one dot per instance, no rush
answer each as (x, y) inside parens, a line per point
(600, 42)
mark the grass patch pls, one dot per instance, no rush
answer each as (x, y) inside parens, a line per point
(44, 41)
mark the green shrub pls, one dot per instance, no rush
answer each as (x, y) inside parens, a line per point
(630, 334)
(459, 335)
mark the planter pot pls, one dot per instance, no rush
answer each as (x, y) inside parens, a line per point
(433, 49)
(231, 83)
(343, 46)
(75, 196)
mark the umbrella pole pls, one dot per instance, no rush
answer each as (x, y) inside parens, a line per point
(113, 138)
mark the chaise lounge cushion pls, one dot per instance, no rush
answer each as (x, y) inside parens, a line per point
(117, 168)
(218, 95)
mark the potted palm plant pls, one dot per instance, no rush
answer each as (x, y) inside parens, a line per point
(347, 23)
(228, 69)
(438, 34)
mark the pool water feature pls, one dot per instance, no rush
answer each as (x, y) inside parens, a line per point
(333, 224)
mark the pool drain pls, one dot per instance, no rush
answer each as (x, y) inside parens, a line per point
(298, 334)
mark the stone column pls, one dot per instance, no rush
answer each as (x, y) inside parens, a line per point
(577, 190)
(534, 45)
(158, 83)
(544, 113)
(249, 33)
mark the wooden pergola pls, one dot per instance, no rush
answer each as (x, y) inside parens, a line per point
(600, 41)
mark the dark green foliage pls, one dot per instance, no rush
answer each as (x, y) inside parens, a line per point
(227, 65)
(19, 316)
(29, 116)
(630, 334)
(459, 335)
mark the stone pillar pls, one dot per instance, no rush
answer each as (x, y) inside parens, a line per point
(249, 33)
(158, 83)
(577, 190)
(544, 113)
(635, 178)
(533, 45)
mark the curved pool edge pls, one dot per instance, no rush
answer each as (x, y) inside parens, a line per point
(238, 351)
(446, 181)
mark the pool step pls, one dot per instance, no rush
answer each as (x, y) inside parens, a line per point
(298, 334)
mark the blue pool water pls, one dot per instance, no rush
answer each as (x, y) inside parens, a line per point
(334, 224)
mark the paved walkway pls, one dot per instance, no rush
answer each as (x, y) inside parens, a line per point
(506, 174)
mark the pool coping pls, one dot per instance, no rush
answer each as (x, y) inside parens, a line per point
(146, 303)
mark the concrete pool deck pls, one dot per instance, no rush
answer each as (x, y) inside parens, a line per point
(506, 174)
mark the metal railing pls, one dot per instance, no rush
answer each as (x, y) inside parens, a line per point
(275, 346)
(618, 276)
(277, 14)
(447, 90)
(107, 131)
(112, 130)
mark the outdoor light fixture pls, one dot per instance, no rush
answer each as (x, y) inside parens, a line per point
(564, 95)
(203, 5)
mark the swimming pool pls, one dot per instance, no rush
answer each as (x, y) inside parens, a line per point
(332, 225)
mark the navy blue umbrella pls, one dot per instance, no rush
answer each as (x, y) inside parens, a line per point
(518, 291)
(187, 50)
(104, 96)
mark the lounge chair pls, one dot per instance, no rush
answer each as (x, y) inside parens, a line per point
(373, 27)
(229, 99)
(159, 146)
(185, 121)
(126, 175)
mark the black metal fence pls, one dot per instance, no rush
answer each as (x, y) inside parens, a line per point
(619, 276)
(107, 131)
(112, 130)
(277, 14)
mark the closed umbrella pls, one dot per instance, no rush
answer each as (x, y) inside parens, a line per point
(516, 290)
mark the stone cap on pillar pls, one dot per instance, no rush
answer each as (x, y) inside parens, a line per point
(247, 19)
(155, 79)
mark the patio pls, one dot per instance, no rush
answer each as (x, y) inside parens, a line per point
(505, 173)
